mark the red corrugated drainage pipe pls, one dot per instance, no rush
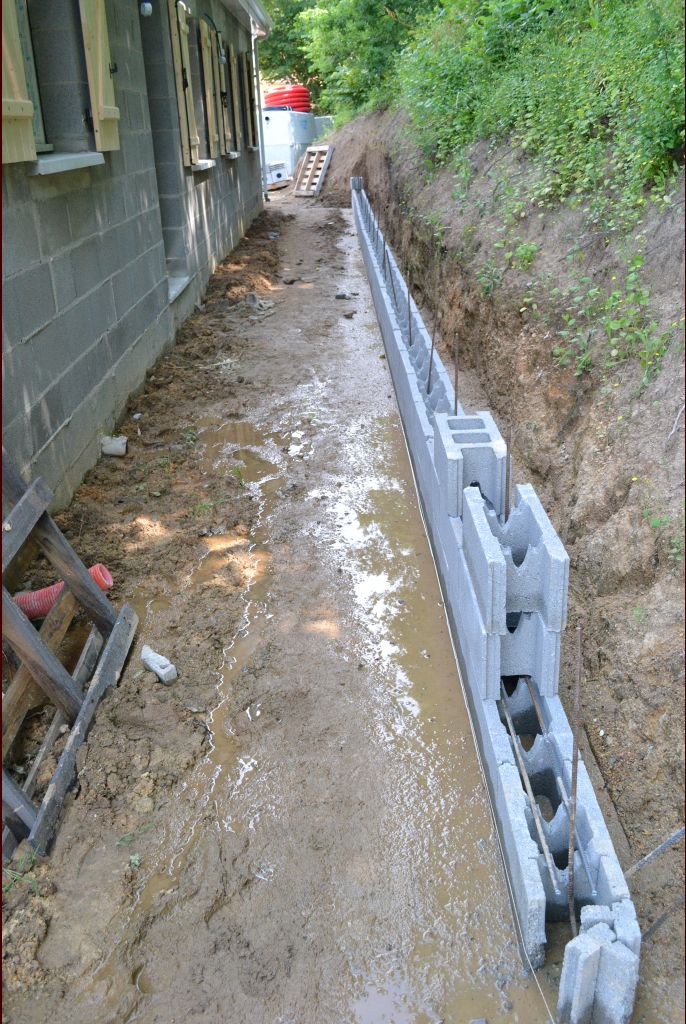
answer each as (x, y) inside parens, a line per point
(295, 96)
(36, 604)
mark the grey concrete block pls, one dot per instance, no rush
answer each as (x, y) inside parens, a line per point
(485, 561)
(593, 915)
(537, 563)
(578, 980)
(53, 219)
(35, 303)
(85, 261)
(626, 926)
(615, 985)
(63, 281)
(85, 218)
(532, 650)
(20, 246)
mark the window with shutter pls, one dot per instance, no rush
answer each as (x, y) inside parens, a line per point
(178, 24)
(18, 142)
(248, 94)
(208, 83)
(252, 99)
(224, 142)
(104, 111)
(235, 100)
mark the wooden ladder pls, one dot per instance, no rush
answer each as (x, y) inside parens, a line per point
(41, 677)
(313, 170)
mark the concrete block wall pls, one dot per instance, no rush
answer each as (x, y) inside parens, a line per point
(505, 586)
(88, 255)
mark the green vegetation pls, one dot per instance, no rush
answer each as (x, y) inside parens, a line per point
(342, 50)
(593, 91)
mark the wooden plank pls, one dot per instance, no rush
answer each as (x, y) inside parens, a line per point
(24, 693)
(324, 169)
(18, 812)
(82, 673)
(312, 170)
(18, 524)
(107, 673)
(62, 556)
(47, 670)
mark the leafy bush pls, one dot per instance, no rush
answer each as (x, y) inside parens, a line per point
(593, 91)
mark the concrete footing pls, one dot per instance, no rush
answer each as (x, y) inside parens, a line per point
(505, 585)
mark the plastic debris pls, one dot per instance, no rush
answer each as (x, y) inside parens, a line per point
(114, 445)
(157, 663)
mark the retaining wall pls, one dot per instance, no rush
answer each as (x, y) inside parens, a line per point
(505, 585)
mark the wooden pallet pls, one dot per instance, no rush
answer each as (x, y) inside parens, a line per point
(41, 677)
(313, 170)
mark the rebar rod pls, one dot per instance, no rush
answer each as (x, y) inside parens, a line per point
(433, 337)
(575, 765)
(508, 474)
(679, 834)
(584, 860)
(390, 274)
(409, 310)
(550, 864)
(457, 378)
(662, 918)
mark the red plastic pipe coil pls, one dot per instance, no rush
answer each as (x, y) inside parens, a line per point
(36, 604)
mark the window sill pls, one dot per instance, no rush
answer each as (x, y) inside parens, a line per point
(253, 149)
(177, 285)
(203, 165)
(232, 155)
(57, 163)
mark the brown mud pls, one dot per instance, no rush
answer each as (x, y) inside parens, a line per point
(297, 829)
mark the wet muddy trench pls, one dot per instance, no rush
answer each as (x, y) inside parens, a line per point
(331, 856)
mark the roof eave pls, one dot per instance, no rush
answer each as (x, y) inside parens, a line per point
(252, 14)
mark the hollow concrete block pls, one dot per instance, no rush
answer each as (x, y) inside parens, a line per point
(532, 650)
(578, 980)
(615, 985)
(537, 563)
(485, 561)
(626, 926)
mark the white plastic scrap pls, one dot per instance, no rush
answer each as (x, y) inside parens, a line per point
(114, 445)
(157, 663)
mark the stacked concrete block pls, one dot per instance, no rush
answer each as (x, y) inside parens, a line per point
(505, 587)
(469, 452)
(537, 582)
(600, 968)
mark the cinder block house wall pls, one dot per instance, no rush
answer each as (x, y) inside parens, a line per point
(101, 262)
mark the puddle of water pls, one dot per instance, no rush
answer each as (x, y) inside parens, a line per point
(445, 830)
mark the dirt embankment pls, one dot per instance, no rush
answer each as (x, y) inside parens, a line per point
(604, 450)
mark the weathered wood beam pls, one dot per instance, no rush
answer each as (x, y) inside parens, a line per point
(46, 669)
(24, 693)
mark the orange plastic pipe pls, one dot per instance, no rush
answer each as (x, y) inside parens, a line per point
(36, 604)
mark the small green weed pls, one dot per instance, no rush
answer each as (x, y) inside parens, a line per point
(489, 277)
(190, 437)
(202, 508)
(19, 875)
(130, 837)
(237, 471)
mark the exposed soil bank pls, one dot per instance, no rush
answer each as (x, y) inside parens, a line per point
(296, 830)
(605, 453)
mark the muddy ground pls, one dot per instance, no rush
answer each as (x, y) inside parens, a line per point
(296, 830)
